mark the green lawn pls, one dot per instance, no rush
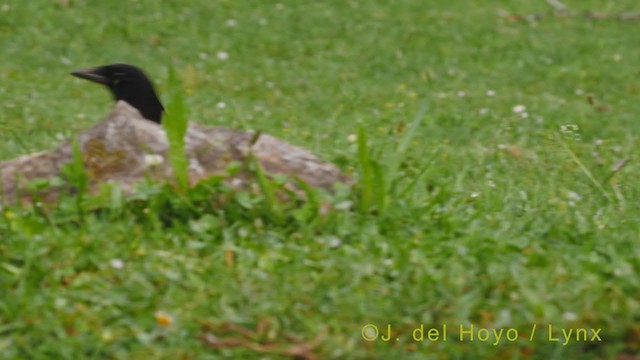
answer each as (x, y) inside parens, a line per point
(508, 207)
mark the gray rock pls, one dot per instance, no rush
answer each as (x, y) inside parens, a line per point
(126, 148)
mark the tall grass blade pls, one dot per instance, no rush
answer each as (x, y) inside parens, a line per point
(366, 171)
(175, 124)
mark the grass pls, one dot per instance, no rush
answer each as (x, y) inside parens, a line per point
(465, 211)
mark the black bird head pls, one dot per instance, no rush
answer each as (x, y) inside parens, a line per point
(128, 83)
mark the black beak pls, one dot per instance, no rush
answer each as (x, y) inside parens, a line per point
(92, 74)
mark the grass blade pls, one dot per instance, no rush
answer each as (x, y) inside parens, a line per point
(366, 171)
(175, 124)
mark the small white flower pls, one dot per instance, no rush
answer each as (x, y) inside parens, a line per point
(474, 194)
(60, 302)
(222, 55)
(574, 195)
(524, 115)
(345, 205)
(334, 241)
(519, 109)
(237, 183)
(221, 105)
(579, 92)
(483, 111)
(491, 93)
(570, 316)
(352, 138)
(151, 160)
(117, 263)
(231, 23)
(461, 93)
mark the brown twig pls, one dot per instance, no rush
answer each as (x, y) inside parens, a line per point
(299, 350)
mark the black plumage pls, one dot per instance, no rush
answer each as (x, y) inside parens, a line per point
(128, 83)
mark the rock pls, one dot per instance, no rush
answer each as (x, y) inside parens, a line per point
(125, 148)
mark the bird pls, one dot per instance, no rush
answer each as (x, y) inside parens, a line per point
(127, 83)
